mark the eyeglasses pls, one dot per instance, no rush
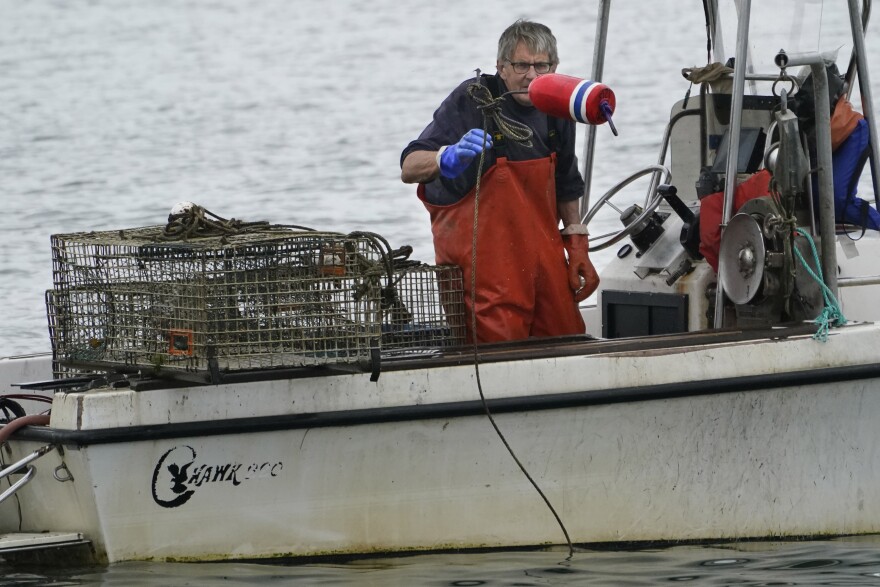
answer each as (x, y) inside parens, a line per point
(522, 67)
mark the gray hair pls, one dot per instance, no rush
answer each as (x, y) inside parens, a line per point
(537, 37)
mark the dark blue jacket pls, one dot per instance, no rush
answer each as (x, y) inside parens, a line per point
(458, 114)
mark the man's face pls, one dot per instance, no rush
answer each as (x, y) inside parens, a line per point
(521, 81)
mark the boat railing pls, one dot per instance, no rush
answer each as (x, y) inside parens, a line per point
(858, 281)
(28, 470)
(859, 62)
(859, 16)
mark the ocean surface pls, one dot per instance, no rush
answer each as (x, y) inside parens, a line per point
(291, 111)
(853, 561)
(295, 112)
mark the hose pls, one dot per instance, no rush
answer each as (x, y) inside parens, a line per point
(10, 428)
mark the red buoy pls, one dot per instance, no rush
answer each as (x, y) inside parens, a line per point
(565, 96)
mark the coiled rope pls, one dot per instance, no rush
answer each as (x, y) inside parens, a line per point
(195, 221)
(491, 108)
(831, 314)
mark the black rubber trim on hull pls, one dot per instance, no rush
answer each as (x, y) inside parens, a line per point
(447, 410)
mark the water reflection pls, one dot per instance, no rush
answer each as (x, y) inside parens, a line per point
(724, 561)
(849, 561)
(811, 564)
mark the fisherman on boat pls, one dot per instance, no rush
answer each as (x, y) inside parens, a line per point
(529, 181)
(850, 147)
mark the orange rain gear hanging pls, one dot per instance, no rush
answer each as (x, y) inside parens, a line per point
(522, 277)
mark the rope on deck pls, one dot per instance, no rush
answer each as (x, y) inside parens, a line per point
(831, 315)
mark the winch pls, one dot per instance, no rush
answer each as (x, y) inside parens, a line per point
(759, 269)
(760, 273)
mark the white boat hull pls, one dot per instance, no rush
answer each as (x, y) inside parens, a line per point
(723, 441)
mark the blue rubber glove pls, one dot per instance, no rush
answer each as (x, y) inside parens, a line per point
(454, 159)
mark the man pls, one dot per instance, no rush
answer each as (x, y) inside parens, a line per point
(524, 285)
(850, 150)
(850, 147)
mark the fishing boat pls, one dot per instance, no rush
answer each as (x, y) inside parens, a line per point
(256, 391)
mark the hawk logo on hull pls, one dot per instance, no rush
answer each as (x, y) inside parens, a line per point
(177, 476)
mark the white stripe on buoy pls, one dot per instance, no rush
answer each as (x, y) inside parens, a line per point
(580, 98)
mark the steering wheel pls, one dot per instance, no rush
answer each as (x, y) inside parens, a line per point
(652, 200)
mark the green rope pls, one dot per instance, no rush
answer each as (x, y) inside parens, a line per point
(831, 314)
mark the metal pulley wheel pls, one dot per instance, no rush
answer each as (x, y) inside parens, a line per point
(742, 256)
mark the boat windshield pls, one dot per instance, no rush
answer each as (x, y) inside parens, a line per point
(797, 26)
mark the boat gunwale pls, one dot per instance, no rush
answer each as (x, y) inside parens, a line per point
(518, 350)
(449, 410)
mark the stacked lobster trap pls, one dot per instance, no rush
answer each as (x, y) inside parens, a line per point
(265, 297)
(423, 307)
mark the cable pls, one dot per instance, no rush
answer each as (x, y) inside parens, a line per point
(3, 465)
(473, 287)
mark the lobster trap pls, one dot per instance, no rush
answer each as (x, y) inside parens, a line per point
(268, 298)
(423, 308)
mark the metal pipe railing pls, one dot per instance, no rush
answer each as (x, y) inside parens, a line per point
(739, 77)
(858, 34)
(598, 70)
(827, 224)
(858, 281)
(22, 464)
(851, 67)
(18, 484)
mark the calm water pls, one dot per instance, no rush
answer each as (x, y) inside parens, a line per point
(293, 111)
(111, 111)
(835, 562)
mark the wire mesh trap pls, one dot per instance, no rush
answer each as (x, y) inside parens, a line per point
(269, 297)
(425, 309)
